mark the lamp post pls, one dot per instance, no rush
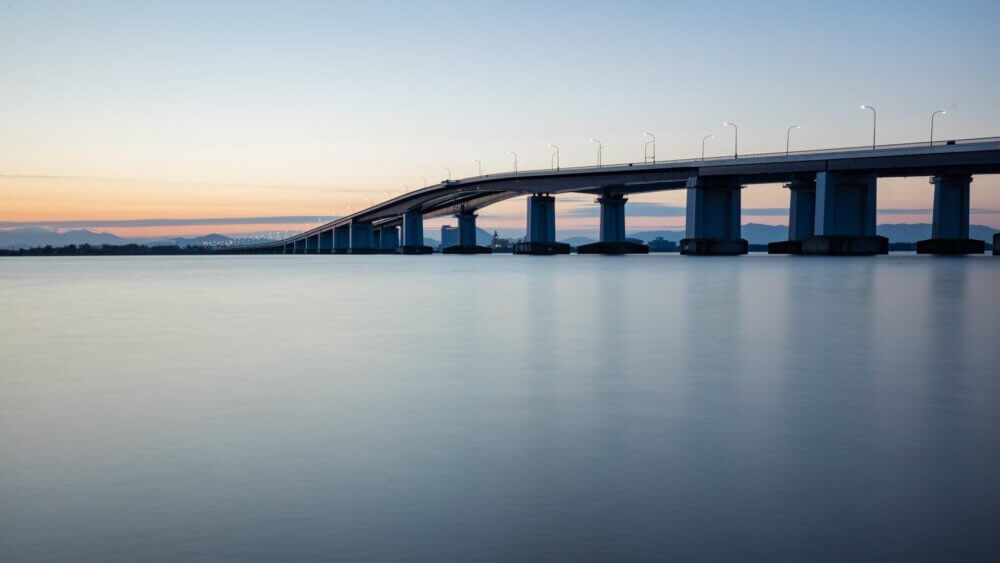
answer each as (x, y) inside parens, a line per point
(406, 189)
(788, 136)
(736, 138)
(479, 162)
(703, 139)
(554, 159)
(600, 150)
(646, 156)
(448, 170)
(514, 154)
(425, 181)
(933, 115)
(874, 122)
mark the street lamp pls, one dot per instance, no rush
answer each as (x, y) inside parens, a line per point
(425, 181)
(514, 154)
(736, 138)
(554, 158)
(448, 170)
(406, 189)
(646, 156)
(480, 163)
(703, 139)
(600, 150)
(933, 115)
(874, 121)
(788, 136)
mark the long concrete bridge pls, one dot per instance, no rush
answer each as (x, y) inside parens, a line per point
(832, 211)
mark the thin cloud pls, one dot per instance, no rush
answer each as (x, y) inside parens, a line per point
(280, 220)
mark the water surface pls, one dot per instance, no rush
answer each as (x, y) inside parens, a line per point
(432, 408)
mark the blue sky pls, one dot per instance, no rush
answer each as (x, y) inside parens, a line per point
(217, 109)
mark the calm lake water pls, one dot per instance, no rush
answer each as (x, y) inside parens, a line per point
(464, 408)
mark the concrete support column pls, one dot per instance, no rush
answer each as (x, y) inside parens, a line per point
(950, 229)
(541, 228)
(326, 242)
(362, 238)
(845, 215)
(312, 244)
(413, 234)
(466, 228)
(300, 246)
(801, 216)
(389, 239)
(413, 229)
(612, 229)
(341, 239)
(612, 217)
(713, 217)
(541, 218)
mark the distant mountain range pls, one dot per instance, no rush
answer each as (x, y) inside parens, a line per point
(28, 237)
(755, 233)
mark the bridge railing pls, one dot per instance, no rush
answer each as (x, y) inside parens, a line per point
(806, 152)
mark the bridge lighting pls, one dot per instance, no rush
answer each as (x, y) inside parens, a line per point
(703, 139)
(477, 161)
(648, 155)
(600, 150)
(425, 181)
(874, 121)
(554, 159)
(515, 160)
(736, 138)
(406, 189)
(788, 136)
(448, 170)
(933, 115)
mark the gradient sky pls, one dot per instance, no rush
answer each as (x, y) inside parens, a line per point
(137, 110)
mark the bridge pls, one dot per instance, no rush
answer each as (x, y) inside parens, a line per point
(832, 205)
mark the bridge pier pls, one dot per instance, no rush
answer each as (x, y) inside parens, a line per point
(388, 239)
(413, 234)
(326, 242)
(312, 244)
(845, 216)
(950, 229)
(612, 229)
(801, 216)
(341, 239)
(300, 246)
(466, 236)
(362, 239)
(541, 230)
(713, 217)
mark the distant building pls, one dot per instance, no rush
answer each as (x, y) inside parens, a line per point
(449, 236)
(498, 243)
(659, 244)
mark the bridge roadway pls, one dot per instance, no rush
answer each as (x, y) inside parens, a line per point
(832, 207)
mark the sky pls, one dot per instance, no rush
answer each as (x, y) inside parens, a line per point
(115, 111)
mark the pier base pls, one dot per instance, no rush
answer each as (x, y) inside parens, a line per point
(951, 246)
(845, 245)
(713, 247)
(615, 247)
(785, 247)
(541, 248)
(466, 249)
(414, 249)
